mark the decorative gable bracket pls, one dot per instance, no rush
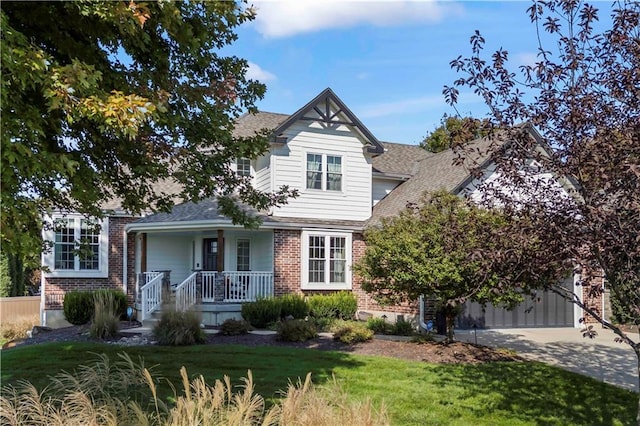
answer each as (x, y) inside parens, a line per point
(322, 105)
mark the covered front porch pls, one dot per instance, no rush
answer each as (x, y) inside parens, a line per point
(203, 267)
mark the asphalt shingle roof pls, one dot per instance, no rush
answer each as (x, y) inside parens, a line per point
(434, 172)
(399, 159)
(248, 124)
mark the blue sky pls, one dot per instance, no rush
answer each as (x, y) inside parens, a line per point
(387, 60)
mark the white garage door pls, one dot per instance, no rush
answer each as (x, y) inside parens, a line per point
(550, 311)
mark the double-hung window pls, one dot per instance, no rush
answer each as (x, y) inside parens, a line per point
(79, 247)
(243, 167)
(324, 172)
(326, 260)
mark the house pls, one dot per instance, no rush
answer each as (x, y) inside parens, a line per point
(347, 180)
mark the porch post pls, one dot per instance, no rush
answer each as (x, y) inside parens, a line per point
(220, 265)
(143, 253)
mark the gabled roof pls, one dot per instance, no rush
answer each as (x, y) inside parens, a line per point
(248, 124)
(399, 160)
(328, 116)
(434, 172)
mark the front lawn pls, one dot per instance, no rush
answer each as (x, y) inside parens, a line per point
(503, 393)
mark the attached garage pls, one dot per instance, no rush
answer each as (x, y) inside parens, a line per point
(550, 310)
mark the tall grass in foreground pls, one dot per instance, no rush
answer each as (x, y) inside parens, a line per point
(125, 393)
(17, 327)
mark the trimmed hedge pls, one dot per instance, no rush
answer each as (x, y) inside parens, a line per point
(340, 305)
(79, 306)
(294, 305)
(262, 312)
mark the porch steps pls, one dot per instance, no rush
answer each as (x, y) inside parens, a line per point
(213, 314)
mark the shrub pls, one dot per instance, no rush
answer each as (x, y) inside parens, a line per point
(294, 305)
(422, 338)
(296, 331)
(119, 299)
(322, 324)
(105, 322)
(341, 305)
(402, 328)
(233, 327)
(320, 306)
(346, 304)
(262, 312)
(377, 325)
(351, 332)
(179, 329)
(78, 307)
(17, 327)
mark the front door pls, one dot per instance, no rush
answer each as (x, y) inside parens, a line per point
(210, 254)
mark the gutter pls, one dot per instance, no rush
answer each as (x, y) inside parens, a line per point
(207, 225)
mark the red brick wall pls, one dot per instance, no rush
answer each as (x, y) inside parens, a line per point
(592, 293)
(286, 261)
(56, 287)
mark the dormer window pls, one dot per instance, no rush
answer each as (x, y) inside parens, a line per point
(324, 172)
(243, 167)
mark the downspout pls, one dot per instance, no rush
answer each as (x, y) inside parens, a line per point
(43, 316)
(422, 325)
(125, 255)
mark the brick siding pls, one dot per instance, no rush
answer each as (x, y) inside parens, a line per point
(56, 287)
(286, 261)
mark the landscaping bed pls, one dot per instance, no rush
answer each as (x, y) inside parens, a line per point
(433, 352)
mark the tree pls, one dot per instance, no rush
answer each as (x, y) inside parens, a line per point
(106, 100)
(437, 250)
(584, 99)
(454, 130)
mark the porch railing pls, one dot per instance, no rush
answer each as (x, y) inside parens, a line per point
(150, 294)
(185, 293)
(236, 286)
(209, 279)
(240, 286)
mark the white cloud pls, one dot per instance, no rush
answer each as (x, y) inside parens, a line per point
(286, 18)
(526, 58)
(401, 106)
(254, 72)
(415, 105)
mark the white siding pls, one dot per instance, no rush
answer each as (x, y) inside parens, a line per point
(262, 176)
(260, 250)
(169, 252)
(381, 187)
(353, 202)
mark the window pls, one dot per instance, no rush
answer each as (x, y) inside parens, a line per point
(243, 167)
(79, 247)
(243, 260)
(326, 259)
(324, 172)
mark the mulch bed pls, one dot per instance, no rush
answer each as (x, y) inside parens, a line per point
(433, 352)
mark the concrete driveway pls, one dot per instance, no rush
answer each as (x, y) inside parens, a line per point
(600, 358)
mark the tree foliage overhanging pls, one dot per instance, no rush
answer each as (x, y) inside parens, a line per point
(583, 95)
(440, 249)
(109, 100)
(454, 131)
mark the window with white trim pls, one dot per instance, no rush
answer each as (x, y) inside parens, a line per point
(243, 257)
(324, 172)
(79, 247)
(326, 259)
(243, 167)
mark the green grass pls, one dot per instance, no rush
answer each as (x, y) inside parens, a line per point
(505, 393)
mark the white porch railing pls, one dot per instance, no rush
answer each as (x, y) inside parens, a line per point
(243, 286)
(208, 279)
(150, 294)
(185, 293)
